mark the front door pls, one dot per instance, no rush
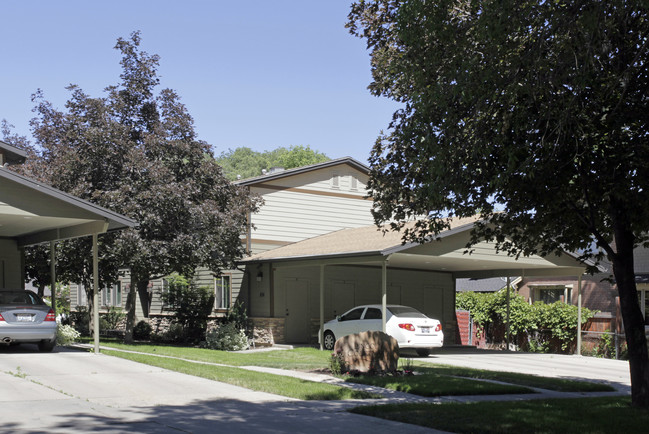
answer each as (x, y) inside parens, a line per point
(297, 307)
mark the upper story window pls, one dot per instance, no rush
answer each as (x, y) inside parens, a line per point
(112, 295)
(353, 183)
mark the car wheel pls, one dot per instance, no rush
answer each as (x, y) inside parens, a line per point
(329, 341)
(423, 352)
(46, 345)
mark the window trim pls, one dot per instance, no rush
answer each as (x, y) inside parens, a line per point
(218, 284)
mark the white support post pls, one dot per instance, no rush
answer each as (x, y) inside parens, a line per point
(320, 332)
(507, 331)
(579, 315)
(95, 291)
(53, 274)
(384, 293)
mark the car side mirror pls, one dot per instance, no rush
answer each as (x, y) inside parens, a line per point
(338, 317)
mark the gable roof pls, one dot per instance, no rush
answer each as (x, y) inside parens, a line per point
(298, 170)
(446, 253)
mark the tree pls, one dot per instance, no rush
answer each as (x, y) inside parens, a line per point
(532, 114)
(136, 152)
(245, 163)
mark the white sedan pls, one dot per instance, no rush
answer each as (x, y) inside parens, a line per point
(411, 328)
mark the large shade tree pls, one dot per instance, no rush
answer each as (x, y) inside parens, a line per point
(532, 114)
(135, 151)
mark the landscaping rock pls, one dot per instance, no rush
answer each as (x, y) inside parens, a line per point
(368, 351)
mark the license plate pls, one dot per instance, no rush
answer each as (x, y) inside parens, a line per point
(24, 317)
(425, 329)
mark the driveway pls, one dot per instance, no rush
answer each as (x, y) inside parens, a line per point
(70, 390)
(613, 372)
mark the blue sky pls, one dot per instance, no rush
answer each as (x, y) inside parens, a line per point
(261, 74)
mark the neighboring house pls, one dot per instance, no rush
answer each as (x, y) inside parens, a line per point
(316, 253)
(33, 213)
(492, 284)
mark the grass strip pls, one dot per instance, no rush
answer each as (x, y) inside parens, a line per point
(549, 383)
(262, 382)
(583, 415)
(301, 359)
(439, 385)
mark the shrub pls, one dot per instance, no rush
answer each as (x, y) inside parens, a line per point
(114, 317)
(191, 306)
(142, 331)
(226, 337)
(66, 335)
(538, 328)
(79, 320)
(337, 364)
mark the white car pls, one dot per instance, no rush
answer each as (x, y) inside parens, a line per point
(411, 328)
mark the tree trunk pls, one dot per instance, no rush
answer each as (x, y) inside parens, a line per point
(634, 324)
(130, 312)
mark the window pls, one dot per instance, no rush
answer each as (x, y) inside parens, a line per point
(82, 299)
(222, 292)
(553, 293)
(353, 315)
(164, 290)
(372, 313)
(353, 183)
(112, 295)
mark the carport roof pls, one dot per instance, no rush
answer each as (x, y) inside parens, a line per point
(32, 212)
(448, 253)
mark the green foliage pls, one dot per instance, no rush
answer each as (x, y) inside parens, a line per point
(191, 305)
(63, 299)
(66, 335)
(238, 316)
(503, 102)
(142, 331)
(337, 364)
(114, 317)
(537, 328)
(80, 319)
(226, 337)
(247, 163)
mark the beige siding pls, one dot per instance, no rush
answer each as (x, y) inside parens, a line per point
(308, 205)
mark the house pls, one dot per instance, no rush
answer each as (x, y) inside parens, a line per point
(315, 253)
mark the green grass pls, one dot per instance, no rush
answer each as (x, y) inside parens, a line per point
(300, 359)
(262, 382)
(549, 383)
(439, 385)
(583, 415)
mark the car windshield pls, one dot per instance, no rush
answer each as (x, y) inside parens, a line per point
(405, 311)
(22, 298)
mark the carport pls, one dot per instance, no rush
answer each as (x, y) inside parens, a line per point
(34, 213)
(369, 247)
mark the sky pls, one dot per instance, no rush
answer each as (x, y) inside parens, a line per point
(259, 73)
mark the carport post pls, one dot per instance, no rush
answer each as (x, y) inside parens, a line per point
(95, 291)
(321, 337)
(53, 274)
(384, 293)
(579, 315)
(507, 336)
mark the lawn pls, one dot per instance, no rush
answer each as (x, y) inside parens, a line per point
(583, 415)
(261, 382)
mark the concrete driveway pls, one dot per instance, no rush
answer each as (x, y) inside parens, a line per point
(613, 372)
(70, 390)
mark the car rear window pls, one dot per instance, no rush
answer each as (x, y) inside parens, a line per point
(23, 298)
(405, 311)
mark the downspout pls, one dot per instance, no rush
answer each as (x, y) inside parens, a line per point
(321, 330)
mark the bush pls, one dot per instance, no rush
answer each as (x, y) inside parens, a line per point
(80, 320)
(226, 337)
(142, 331)
(337, 364)
(114, 318)
(191, 306)
(66, 335)
(538, 328)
